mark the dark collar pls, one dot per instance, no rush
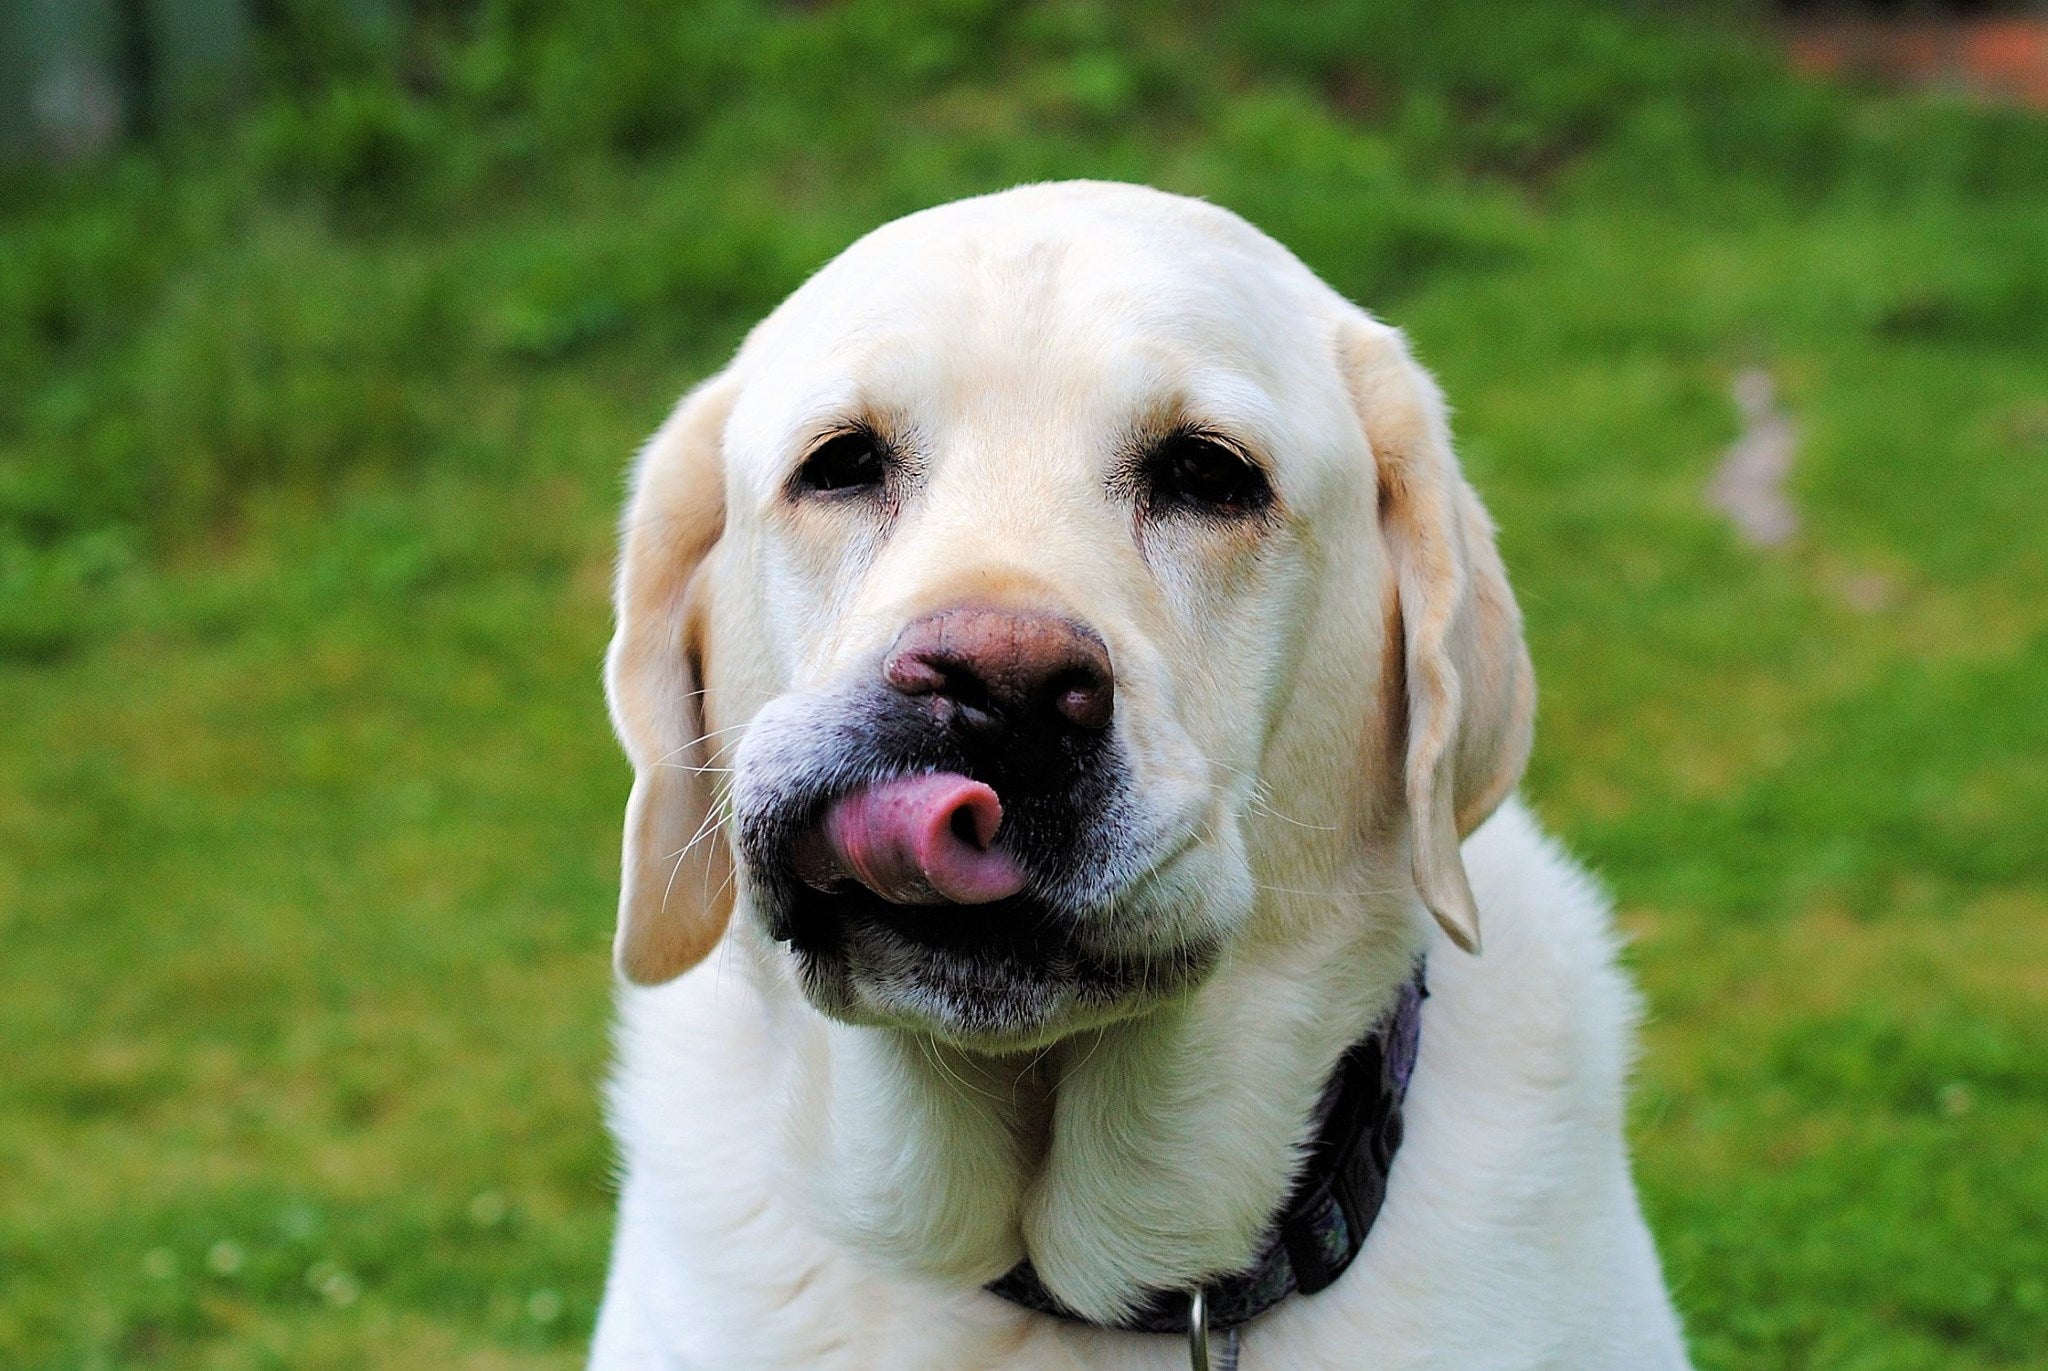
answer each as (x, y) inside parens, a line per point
(1322, 1226)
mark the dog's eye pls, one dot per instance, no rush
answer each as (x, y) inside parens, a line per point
(854, 460)
(1195, 472)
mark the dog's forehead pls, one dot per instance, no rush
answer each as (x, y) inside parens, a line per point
(1041, 260)
(1092, 300)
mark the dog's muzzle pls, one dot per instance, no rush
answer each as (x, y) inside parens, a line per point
(942, 845)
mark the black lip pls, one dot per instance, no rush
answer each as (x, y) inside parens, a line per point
(1022, 974)
(820, 922)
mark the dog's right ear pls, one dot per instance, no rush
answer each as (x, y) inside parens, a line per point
(675, 883)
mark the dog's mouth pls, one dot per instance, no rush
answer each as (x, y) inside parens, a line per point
(911, 902)
(1007, 975)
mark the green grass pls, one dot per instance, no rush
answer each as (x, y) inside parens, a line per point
(310, 440)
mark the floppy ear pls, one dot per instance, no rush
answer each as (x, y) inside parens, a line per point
(1469, 690)
(675, 884)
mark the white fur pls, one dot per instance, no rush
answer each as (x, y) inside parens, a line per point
(1510, 1235)
(800, 1192)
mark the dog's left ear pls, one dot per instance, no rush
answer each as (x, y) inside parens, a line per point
(1469, 690)
(675, 883)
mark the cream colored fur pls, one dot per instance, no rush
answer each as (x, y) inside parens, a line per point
(1314, 722)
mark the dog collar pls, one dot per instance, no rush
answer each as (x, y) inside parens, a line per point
(1322, 1225)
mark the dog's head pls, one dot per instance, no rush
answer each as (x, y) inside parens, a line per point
(1045, 580)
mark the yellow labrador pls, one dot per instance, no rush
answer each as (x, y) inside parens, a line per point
(1075, 702)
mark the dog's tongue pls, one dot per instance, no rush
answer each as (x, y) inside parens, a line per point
(915, 840)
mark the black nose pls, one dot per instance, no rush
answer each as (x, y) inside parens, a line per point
(1006, 668)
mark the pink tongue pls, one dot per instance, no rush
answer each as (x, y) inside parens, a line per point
(916, 840)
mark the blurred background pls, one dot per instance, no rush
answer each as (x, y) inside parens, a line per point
(326, 330)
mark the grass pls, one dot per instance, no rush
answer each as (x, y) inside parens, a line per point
(310, 439)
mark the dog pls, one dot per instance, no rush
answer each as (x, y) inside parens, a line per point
(1075, 706)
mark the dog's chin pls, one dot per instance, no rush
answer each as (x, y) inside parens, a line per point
(1001, 978)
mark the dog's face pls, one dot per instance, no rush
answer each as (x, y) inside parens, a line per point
(1036, 576)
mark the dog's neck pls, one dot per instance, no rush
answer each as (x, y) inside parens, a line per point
(1137, 1157)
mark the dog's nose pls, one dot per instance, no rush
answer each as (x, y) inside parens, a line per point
(1006, 667)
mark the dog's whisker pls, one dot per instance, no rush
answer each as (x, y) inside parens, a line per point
(1260, 797)
(715, 818)
(698, 741)
(1082, 1065)
(937, 1058)
(673, 872)
(1363, 890)
(1268, 810)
